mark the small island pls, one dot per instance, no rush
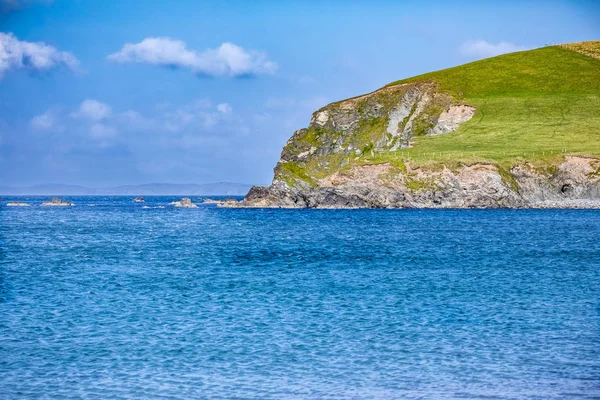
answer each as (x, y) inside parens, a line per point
(184, 203)
(56, 202)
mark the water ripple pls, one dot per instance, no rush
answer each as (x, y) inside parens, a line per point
(120, 302)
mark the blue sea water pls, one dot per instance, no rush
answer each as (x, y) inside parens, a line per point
(117, 301)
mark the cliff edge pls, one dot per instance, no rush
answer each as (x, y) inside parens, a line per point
(518, 130)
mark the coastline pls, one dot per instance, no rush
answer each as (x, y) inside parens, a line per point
(547, 205)
(572, 184)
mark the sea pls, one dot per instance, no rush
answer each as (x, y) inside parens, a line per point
(112, 299)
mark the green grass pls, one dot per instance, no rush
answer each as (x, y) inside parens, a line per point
(531, 105)
(546, 71)
(290, 171)
(534, 106)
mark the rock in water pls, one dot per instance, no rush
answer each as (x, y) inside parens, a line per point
(56, 202)
(16, 204)
(184, 203)
(222, 203)
(138, 200)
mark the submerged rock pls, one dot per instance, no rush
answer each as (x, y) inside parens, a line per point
(16, 204)
(56, 202)
(139, 199)
(184, 203)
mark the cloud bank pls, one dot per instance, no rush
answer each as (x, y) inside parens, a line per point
(96, 120)
(227, 60)
(483, 49)
(17, 54)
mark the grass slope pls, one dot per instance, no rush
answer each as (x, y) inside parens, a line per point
(532, 105)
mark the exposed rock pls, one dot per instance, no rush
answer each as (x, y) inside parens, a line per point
(16, 204)
(382, 121)
(56, 202)
(452, 118)
(575, 184)
(184, 203)
(229, 203)
(220, 203)
(139, 199)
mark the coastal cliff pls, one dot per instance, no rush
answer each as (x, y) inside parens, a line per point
(519, 130)
(575, 183)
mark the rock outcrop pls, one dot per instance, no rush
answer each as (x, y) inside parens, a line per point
(56, 202)
(184, 203)
(385, 120)
(16, 204)
(574, 184)
(221, 203)
(138, 200)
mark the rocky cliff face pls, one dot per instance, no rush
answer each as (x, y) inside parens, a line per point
(575, 183)
(383, 121)
(323, 166)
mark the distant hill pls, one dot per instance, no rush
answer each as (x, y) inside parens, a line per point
(207, 189)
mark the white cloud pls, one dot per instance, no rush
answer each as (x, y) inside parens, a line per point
(17, 54)
(483, 49)
(44, 121)
(101, 131)
(95, 123)
(226, 60)
(224, 108)
(93, 110)
(134, 120)
(201, 113)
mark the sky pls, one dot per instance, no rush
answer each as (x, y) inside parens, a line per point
(103, 93)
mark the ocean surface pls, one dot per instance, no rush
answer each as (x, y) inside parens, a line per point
(118, 301)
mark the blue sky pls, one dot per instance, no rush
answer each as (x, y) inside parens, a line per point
(121, 92)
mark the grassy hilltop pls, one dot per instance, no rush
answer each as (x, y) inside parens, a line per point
(534, 106)
(529, 105)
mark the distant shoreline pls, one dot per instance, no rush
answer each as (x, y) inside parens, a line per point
(150, 189)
